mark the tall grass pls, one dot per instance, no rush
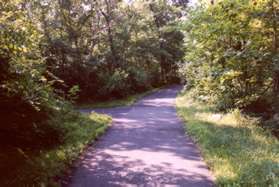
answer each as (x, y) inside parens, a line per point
(238, 151)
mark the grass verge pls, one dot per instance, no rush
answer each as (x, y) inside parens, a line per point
(127, 101)
(238, 151)
(23, 167)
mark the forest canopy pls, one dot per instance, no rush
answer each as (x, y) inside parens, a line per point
(232, 55)
(57, 52)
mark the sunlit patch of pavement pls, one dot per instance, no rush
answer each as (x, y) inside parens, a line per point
(146, 146)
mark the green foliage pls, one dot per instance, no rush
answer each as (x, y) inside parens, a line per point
(41, 166)
(107, 59)
(73, 93)
(54, 53)
(116, 83)
(231, 53)
(25, 94)
(237, 150)
(231, 65)
(39, 133)
(51, 51)
(126, 101)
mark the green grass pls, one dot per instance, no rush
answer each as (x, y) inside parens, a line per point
(41, 167)
(127, 101)
(238, 151)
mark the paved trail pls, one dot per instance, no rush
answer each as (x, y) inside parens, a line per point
(146, 146)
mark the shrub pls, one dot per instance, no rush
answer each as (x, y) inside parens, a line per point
(231, 58)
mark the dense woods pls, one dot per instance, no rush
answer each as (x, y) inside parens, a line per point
(57, 53)
(54, 53)
(231, 73)
(232, 54)
(110, 48)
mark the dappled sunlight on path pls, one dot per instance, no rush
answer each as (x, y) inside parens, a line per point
(145, 146)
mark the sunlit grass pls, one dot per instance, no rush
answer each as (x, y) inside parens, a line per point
(238, 151)
(41, 167)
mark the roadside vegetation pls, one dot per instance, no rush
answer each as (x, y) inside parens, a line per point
(127, 101)
(232, 55)
(55, 54)
(42, 165)
(238, 151)
(230, 107)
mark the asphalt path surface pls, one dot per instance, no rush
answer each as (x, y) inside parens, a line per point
(146, 146)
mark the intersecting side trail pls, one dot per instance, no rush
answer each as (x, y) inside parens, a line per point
(146, 146)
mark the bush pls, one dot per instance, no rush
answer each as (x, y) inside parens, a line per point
(26, 96)
(116, 84)
(43, 165)
(231, 58)
(138, 79)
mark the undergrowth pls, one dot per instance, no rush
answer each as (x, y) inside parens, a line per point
(238, 151)
(41, 166)
(127, 101)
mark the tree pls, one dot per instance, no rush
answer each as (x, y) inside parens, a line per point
(166, 18)
(26, 96)
(85, 38)
(230, 55)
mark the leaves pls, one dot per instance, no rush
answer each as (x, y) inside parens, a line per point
(230, 53)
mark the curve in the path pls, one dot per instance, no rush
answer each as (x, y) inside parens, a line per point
(146, 146)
